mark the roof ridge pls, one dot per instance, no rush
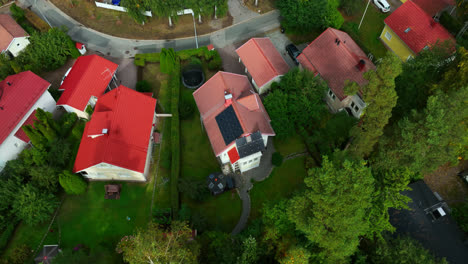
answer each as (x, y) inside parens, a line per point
(234, 106)
(354, 55)
(265, 57)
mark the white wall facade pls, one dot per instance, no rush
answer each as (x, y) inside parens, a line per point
(246, 163)
(79, 113)
(17, 45)
(12, 146)
(355, 103)
(106, 171)
(266, 86)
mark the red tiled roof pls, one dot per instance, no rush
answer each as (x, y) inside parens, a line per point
(30, 121)
(423, 30)
(88, 77)
(9, 30)
(262, 60)
(17, 99)
(128, 117)
(335, 63)
(210, 101)
(233, 155)
(432, 7)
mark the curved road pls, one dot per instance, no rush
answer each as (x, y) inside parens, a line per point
(125, 48)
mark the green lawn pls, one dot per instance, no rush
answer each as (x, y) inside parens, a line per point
(281, 184)
(368, 35)
(99, 224)
(290, 145)
(197, 162)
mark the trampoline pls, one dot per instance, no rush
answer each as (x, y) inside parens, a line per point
(193, 76)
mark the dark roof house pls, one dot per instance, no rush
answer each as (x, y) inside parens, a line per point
(429, 222)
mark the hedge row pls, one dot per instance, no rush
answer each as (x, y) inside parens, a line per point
(174, 85)
(203, 53)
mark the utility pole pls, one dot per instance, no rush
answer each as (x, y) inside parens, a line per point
(363, 15)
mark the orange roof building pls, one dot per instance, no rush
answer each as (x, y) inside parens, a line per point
(13, 38)
(235, 120)
(262, 62)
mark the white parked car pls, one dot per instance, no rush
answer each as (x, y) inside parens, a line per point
(382, 5)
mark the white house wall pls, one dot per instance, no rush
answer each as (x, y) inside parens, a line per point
(79, 113)
(12, 146)
(105, 171)
(267, 85)
(17, 45)
(250, 162)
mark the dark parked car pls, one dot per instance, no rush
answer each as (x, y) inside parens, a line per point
(293, 52)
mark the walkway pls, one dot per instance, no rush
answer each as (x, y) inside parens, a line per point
(244, 184)
(125, 48)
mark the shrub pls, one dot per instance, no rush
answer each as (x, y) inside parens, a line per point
(19, 254)
(72, 183)
(460, 213)
(277, 159)
(450, 23)
(195, 61)
(17, 13)
(89, 110)
(162, 216)
(216, 62)
(144, 86)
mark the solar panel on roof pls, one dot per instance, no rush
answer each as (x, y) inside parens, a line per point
(249, 145)
(229, 125)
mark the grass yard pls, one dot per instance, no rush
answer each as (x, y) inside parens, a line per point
(197, 162)
(281, 184)
(289, 145)
(99, 224)
(367, 37)
(120, 24)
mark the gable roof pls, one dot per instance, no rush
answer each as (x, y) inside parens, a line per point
(89, 76)
(128, 117)
(335, 61)
(210, 99)
(262, 60)
(18, 94)
(416, 28)
(9, 30)
(432, 7)
(442, 237)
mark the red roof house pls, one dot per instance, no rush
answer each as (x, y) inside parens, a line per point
(433, 7)
(87, 80)
(337, 58)
(12, 37)
(262, 61)
(116, 141)
(416, 28)
(20, 95)
(234, 118)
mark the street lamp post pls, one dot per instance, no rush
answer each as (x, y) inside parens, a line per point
(195, 29)
(363, 15)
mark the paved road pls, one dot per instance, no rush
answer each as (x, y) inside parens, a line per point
(125, 48)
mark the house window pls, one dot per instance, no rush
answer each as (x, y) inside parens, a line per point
(17, 44)
(16, 144)
(245, 163)
(331, 94)
(255, 159)
(250, 161)
(388, 36)
(352, 104)
(356, 109)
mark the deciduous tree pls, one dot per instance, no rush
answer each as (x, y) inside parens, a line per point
(34, 206)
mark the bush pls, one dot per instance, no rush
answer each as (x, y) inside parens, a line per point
(19, 254)
(195, 61)
(216, 62)
(162, 216)
(89, 110)
(144, 86)
(17, 13)
(450, 23)
(72, 183)
(200, 52)
(277, 159)
(460, 214)
(142, 58)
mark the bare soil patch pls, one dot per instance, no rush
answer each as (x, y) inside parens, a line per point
(119, 24)
(264, 6)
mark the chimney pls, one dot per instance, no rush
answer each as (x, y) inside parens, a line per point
(361, 64)
(227, 99)
(9, 83)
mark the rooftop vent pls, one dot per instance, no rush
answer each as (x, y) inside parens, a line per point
(9, 83)
(407, 30)
(105, 130)
(361, 64)
(248, 138)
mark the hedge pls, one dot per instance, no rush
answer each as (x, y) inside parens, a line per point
(142, 58)
(211, 56)
(174, 85)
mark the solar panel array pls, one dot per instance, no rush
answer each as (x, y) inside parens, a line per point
(229, 125)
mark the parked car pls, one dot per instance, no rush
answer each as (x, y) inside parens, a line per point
(382, 5)
(293, 52)
(464, 175)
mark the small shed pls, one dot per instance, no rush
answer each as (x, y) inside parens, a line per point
(219, 183)
(113, 191)
(47, 254)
